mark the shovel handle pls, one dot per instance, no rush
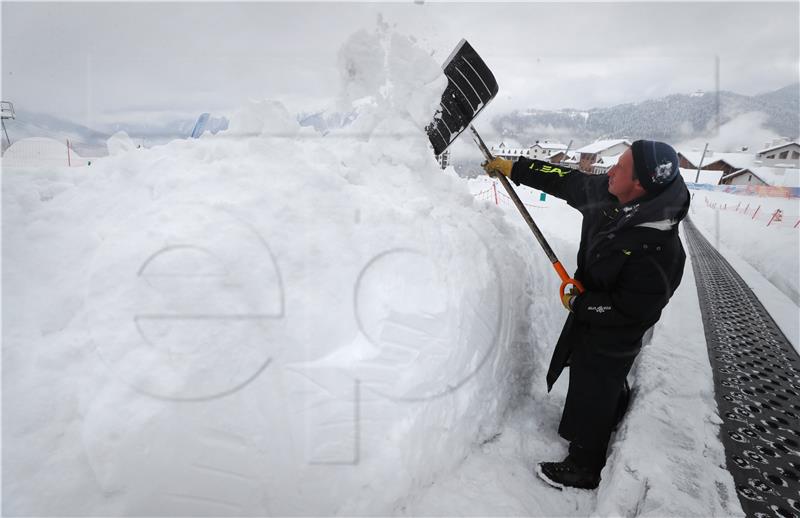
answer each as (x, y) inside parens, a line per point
(566, 280)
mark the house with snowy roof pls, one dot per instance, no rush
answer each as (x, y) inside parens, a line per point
(759, 175)
(773, 166)
(604, 164)
(568, 158)
(541, 150)
(784, 154)
(545, 149)
(511, 153)
(592, 153)
(726, 162)
(689, 159)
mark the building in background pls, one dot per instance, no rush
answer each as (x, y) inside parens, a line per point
(568, 158)
(763, 175)
(781, 154)
(777, 165)
(591, 154)
(545, 149)
(540, 150)
(510, 153)
(604, 164)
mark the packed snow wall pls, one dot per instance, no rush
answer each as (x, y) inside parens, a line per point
(262, 321)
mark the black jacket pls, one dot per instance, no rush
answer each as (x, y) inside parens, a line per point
(630, 260)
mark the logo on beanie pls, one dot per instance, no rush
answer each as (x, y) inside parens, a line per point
(655, 164)
(663, 172)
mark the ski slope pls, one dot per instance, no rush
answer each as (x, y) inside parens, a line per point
(267, 322)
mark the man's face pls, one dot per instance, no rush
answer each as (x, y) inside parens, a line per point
(621, 180)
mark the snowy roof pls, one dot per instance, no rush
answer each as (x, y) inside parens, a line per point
(777, 176)
(608, 160)
(692, 156)
(558, 146)
(571, 159)
(706, 176)
(741, 172)
(778, 146)
(602, 145)
(737, 160)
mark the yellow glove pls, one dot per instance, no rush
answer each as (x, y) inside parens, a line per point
(568, 298)
(498, 165)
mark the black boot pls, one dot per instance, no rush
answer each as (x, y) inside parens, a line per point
(568, 474)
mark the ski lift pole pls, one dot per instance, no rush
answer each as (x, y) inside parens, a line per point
(566, 280)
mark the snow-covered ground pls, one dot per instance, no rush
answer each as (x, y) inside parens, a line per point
(747, 225)
(258, 323)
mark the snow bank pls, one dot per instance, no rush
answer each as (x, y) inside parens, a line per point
(667, 458)
(255, 323)
(746, 225)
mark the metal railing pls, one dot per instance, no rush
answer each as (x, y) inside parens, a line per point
(7, 110)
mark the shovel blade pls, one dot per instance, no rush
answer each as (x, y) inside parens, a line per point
(470, 87)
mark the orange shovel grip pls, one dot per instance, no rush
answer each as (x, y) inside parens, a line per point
(566, 280)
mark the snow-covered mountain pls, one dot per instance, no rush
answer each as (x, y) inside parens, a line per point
(163, 132)
(673, 118)
(92, 141)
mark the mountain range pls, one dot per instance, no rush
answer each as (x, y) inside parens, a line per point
(89, 142)
(674, 118)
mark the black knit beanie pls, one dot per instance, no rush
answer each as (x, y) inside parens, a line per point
(655, 164)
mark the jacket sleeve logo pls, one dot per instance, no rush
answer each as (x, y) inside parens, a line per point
(599, 309)
(550, 169)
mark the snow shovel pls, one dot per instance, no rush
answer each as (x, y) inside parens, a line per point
(470, 87)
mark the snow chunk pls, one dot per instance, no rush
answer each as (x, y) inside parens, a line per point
(266, 117)
(386, 75)
(120, 143)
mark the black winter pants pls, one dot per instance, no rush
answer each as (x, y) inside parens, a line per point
(597, 390)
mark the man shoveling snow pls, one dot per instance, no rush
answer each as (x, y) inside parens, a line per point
(630, 262)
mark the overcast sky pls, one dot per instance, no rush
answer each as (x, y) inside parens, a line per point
(98, 62)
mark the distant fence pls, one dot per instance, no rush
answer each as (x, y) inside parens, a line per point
(754, 212)
(749, 190)
(42, 152)
(498, 197)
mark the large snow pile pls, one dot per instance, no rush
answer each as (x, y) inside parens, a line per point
(262, 321)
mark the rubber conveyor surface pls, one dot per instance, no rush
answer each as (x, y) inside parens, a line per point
(757, 385)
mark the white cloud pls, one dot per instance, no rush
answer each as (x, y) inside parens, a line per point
(745, 130)
(83, 60)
